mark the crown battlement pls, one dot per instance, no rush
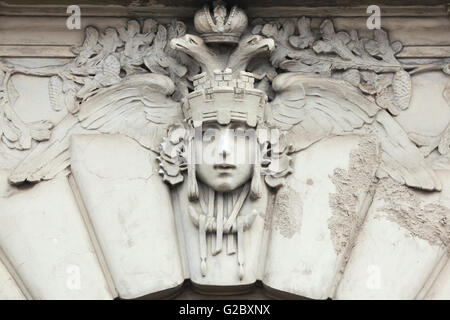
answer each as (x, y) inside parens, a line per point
(224, 78)
(224, 99)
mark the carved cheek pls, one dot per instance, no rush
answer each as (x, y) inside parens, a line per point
(245, 150)
(207, 146)
(208, 151)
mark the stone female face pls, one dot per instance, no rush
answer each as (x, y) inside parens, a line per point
(225, 155)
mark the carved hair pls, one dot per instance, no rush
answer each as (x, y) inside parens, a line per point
(193, 193)
(256, 187)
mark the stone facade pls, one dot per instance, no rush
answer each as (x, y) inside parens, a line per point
(249, 150)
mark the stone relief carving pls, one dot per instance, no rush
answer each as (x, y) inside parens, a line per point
(270, 90)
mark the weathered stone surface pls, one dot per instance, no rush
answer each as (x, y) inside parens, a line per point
(334, 103)
(45, 238)
(440, 289)
(131, 212)
(403, 238)
(8, 287)
(306, 257)
(428, 114)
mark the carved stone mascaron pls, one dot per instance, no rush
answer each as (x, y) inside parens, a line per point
(237, 152)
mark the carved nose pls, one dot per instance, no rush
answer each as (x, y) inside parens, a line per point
(224, 153)
(224, 147)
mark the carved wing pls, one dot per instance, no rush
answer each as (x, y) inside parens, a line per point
(311, 109)
(139, 107)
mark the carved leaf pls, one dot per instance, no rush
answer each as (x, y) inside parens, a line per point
(373, 83)
(372, 47)
(130, 30)
(90, 40)
(287, 29)
(344, 37)
(89, 47)
(172, 159)
(150, 26)
(446, 68)
(111, 68)
(110, 41)
(161, 38)
(270, 30)
(385, 99)
(257, 28)
(156, 59)
(380, 47)
(176, 29)
(41, 130)
(327, 29)
(352, 76)
(396, 46)
(322, 46)
(332, 42)
(356, 45)
(278, 55)
(305, 38)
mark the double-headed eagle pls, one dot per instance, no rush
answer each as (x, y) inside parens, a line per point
(306, 107)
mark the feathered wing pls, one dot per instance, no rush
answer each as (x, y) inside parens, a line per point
(139, 107)
(312, 108)
(401, 159)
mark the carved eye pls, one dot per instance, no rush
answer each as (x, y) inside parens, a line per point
(209, 134)
(192, 41)
(252, 41)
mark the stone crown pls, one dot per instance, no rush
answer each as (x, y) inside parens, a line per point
(221, 27)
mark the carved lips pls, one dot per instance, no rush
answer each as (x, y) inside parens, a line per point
(224, 167)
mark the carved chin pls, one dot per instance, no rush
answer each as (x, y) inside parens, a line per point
(224, 183)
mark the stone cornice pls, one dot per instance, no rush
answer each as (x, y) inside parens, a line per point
(253, 12)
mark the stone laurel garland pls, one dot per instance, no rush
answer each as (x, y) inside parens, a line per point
(104, 59)
(368, 64)
(108, 56)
